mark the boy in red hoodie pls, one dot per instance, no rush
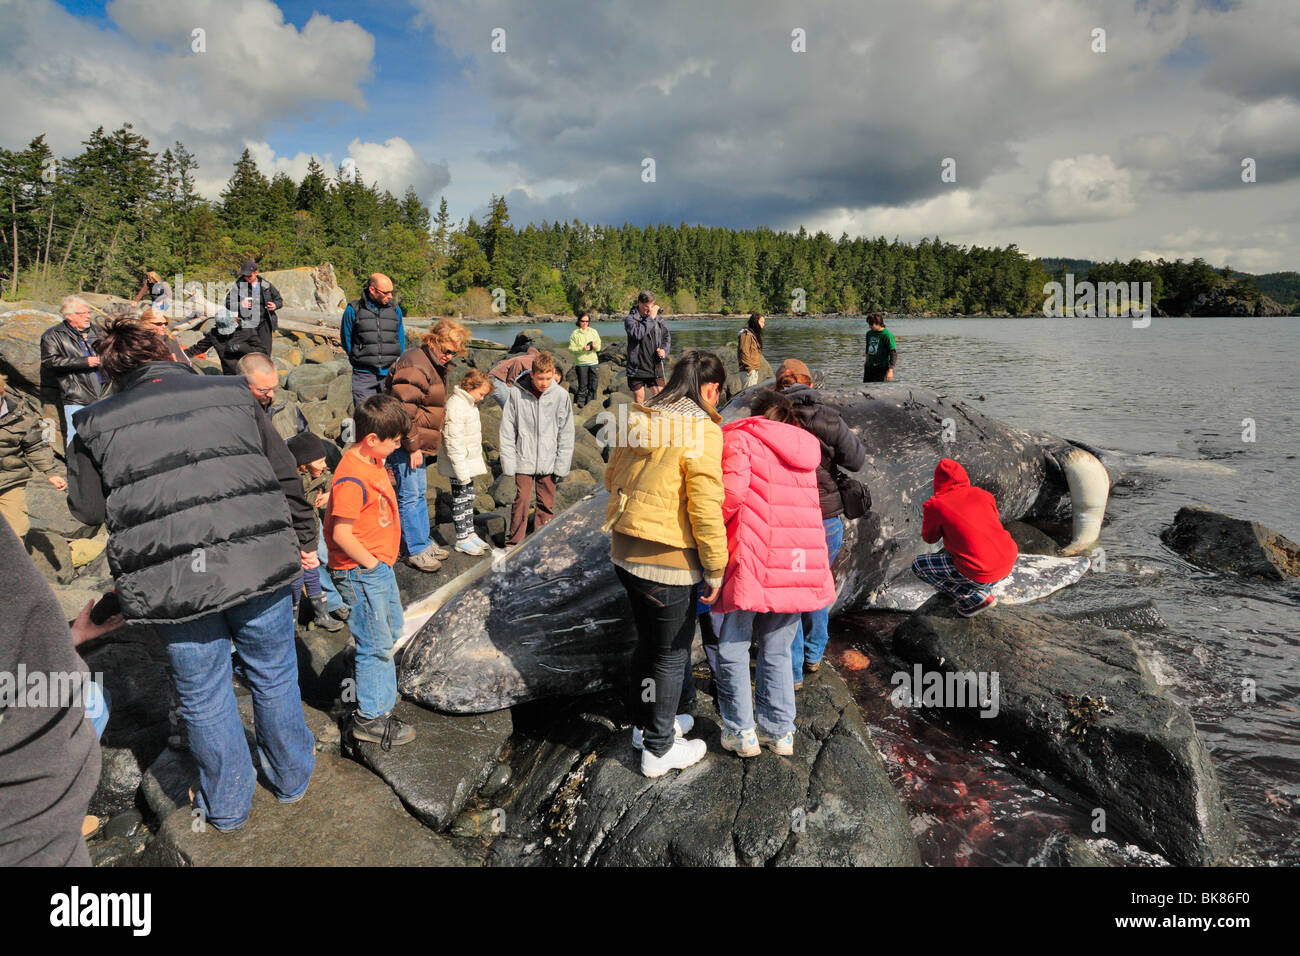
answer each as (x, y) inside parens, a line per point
(977, 551)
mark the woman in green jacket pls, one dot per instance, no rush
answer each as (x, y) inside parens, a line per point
(584, 343)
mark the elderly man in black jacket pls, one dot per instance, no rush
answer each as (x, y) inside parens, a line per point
(195, 487)
(69, 362)
(248, 322)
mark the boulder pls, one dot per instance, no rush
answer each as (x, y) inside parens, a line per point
(1031, 540)
(576, 792)
(51, 554)
(348, 817)
(1223, 543)
(1080, 704)
(86, 550)
(310, 375)
(309, 288)
(48, 509)
(320, 354)
(20, 347)
(449, 759)
(338, 396)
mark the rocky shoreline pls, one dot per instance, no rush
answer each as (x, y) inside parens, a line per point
(555, 782)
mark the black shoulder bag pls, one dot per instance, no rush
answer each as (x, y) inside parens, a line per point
(854, 494)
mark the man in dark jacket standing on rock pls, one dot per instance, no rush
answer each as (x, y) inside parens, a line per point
(251, 306)
(68, 359)
(648, 345)
(194, 485)
(373, 337)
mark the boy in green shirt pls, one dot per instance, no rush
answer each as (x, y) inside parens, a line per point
(584, 343)
(882, 350)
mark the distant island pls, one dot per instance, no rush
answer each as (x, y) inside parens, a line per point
(96, 221)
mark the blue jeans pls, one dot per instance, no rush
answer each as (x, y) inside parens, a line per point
(67, 421)
(332, 600)
(375, 623)
(814, 624)
(97, 701)
(412, 502)
(773, 683)
(262, 631)
(501, 391)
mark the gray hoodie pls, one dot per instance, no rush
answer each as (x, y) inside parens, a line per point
(536, 433)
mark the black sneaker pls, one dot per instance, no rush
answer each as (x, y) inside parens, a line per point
(387, 731)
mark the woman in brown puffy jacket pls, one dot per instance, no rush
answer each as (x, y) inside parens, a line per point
(419, 380)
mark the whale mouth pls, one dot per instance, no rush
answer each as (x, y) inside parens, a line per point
(1089, 485)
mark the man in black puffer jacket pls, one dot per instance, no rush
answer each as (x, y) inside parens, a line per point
(194, 485)
(840, 449)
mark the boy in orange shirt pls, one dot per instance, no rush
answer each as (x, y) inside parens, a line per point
(363, 533)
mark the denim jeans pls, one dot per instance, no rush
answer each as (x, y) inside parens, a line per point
(412, 502)
(501, 391)
(262, 631)
(814, 624)
(375, 623)
(332, 600)
(660, 686)
(68, 430)
(773, 683)
(97, 703)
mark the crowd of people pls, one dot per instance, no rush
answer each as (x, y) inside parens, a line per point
(222, 506)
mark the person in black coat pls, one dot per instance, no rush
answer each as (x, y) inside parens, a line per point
(69, 364)
(248, 323)
(841, 449)
(208, 527)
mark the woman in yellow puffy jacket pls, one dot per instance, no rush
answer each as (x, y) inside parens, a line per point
(667, 535)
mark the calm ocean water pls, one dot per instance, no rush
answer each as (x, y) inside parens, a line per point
(1176, 399)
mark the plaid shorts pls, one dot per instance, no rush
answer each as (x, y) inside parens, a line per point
(939, 572)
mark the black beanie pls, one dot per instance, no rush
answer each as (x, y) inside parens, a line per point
(306, 448)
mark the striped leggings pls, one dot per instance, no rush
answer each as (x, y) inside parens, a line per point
(462, 509)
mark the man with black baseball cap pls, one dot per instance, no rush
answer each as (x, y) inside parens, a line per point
(251, 303)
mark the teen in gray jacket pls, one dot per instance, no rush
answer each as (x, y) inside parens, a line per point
(536, 443)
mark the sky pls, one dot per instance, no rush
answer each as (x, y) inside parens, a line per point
(837, 116)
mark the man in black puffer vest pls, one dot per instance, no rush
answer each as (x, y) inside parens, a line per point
(194, 486)
(373, 336)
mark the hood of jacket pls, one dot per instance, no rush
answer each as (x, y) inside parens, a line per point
(795, 447)
(948, 476)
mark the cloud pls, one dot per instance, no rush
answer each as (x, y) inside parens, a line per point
(258, 75)
(393, 164)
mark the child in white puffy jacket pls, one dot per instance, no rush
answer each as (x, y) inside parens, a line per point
(461, 455)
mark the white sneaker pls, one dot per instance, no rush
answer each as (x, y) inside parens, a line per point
(682, 723)
(743, 744)
(682, 754)
(471, 546)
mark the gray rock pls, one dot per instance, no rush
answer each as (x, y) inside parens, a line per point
(20, 347)
(339, 396)
(449, 759)
(48, 509)
(347, 818)
(1031, 540)
(50, 553)
(310, 375)
(1081, 705)
(577, 789)
(1223, 543)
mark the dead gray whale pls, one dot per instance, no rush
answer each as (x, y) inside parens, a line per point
(550, 618)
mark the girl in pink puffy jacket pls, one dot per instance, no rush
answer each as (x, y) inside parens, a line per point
(779, 567)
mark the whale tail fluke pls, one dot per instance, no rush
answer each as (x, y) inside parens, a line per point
(1089, 485)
